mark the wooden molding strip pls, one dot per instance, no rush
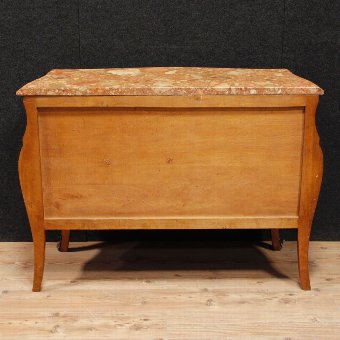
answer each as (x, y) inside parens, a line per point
(171, 101)
(172, 223)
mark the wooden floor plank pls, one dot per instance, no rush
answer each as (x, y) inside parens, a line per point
(169, 290)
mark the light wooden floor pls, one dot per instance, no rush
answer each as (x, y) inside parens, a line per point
(170, 291)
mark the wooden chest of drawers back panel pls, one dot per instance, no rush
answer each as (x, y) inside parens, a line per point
(178, 162)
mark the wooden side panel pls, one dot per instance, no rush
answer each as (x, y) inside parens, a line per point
(31, 186)
(312, 169)
(170, 163)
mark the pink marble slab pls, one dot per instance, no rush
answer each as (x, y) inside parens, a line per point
(169, 81)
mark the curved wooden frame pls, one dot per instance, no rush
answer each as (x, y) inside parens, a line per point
(31, 186)
(311, 177)
(31, 178)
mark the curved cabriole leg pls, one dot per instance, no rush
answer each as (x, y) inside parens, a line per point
(310, 187)
(65, 240)
(276, 242)
(30, 181)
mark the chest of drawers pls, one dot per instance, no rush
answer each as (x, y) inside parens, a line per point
(170, 148)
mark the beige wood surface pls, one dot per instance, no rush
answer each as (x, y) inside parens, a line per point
(311, 174)
(31, 186)
(188, 163)
(172, 223)
(173, 290)
(262, 148)
(172, 101)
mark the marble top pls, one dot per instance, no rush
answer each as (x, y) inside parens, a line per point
(169, 81)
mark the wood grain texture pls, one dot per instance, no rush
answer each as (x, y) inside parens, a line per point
(257, 222)
(31, 186)
(171, 101)
(180, 162)
(312, 168)
(170, 163)
(64, 240)
(170, 290)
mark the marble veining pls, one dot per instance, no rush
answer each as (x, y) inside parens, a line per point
(169, 81)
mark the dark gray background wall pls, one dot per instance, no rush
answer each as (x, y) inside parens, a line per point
(38, 35)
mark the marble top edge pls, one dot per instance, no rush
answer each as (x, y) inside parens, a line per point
(169, 81)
